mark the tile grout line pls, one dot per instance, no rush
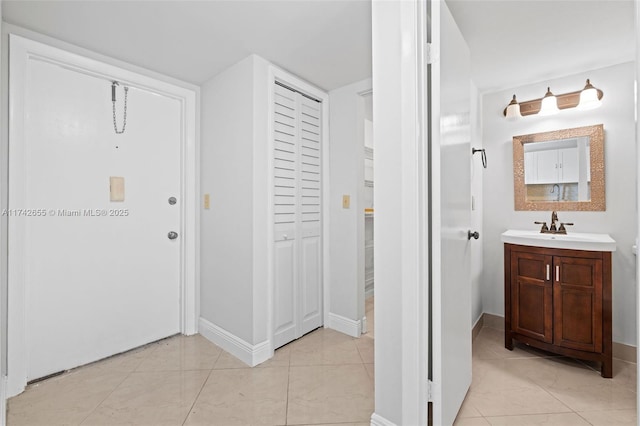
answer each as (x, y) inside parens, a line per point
(115, 388)
(198, 395)
(544, 388)
(203, 385)
(106, 397)
(286, 406)
(579, 415)
(360, 353)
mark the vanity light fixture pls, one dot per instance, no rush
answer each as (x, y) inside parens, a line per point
(512, 112)
(587, 98)
(549, 104)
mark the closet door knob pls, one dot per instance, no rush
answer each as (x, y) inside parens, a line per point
(475, 235)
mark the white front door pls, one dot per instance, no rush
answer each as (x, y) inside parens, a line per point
(100, 276)
(451, 303)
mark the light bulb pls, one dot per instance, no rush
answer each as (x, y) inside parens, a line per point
(513, 110)
(549, 104)
(589, 97)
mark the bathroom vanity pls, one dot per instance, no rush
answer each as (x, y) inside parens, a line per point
(557, 292)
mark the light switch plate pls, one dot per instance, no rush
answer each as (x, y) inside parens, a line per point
(116, 188)
(346, 201)
(207, 201)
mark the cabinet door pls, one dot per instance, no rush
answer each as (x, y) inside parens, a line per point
(532, 295)
(548, 166)
(569, 167)
(530, 168)
(577, 297)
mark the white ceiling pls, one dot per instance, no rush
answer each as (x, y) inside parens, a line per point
(517, 42)
(327, 42)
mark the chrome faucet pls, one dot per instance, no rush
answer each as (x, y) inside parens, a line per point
(553, 229)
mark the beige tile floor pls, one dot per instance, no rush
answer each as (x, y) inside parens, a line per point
(323, 378)
(530, 387)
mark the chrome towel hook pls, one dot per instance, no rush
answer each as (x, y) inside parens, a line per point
(484, 156)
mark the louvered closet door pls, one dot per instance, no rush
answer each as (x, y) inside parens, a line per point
(297, 215)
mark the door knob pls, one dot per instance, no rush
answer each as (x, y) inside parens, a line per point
(172, 235)
(474, 235)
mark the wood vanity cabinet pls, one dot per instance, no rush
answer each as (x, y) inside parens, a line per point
(559, 300)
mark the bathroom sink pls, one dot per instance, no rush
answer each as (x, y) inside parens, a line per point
(572, 240)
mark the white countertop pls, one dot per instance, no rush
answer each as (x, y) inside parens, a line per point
(572, 240)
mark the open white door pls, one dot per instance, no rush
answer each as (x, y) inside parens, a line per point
(451, 216)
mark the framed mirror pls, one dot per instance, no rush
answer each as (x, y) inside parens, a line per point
(560, 170)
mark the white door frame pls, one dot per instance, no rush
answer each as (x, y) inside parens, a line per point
(21, 52)
(278, 74)
(401, 176)
(637, 76)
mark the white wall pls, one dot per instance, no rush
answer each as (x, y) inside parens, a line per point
(237, 236)
(262, 220)
(346, 178)
(234, 161)
(619, 220)
(227, 175)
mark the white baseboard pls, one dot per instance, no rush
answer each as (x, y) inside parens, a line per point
(377, 420)
(344, 325)
(251, 355)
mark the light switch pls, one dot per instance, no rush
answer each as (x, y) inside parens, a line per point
(346, 201)
(207, 201)
(116, 188)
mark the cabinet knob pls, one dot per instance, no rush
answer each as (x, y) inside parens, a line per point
(474, 235)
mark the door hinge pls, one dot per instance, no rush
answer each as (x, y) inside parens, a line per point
(432, 54)
(433, 391)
